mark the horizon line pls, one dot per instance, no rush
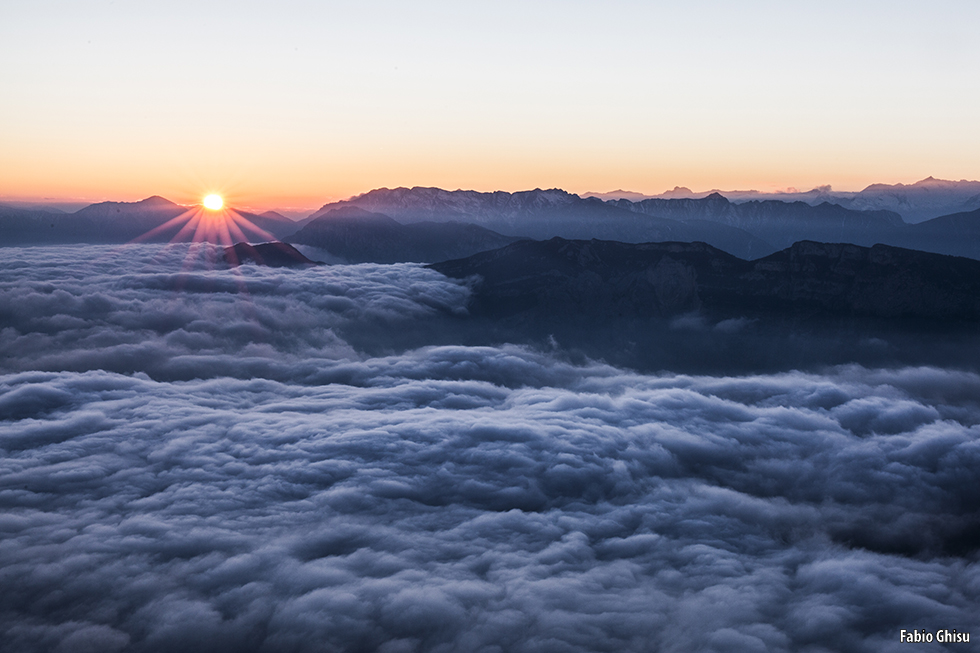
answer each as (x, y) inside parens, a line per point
(299, 207)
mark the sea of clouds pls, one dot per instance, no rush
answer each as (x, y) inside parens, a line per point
(195, 458)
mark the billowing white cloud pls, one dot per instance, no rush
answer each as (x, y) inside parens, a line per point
(173, 313)
(257, 483)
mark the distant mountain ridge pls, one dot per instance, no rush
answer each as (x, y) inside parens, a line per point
(435, 204)
(541, 214)
(779, 223)
(113, 222)
(923, 200)
(453, 220)
(750, 229)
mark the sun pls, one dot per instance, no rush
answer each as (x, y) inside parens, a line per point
(213, 202)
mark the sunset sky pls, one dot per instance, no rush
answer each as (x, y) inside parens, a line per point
(292, 104)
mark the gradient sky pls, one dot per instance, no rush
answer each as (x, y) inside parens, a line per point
(294, 103)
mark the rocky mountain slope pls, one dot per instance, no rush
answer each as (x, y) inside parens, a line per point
(691, 307)
(667, 279)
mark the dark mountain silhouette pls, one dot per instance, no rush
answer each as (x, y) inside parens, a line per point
(275, 254)
(105, 222)
(542, 214)
(358, 236)
(113, 222)
(34, 226)
(665, 279)
(431, 224)
(48, 207)
(125, 221)
(689, 307)
(957, 234)
(148, 206)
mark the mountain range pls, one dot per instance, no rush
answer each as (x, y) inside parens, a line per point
(693, 307)
(923, 200)
(542, 214)
(431, 224)
(749, 230)
(112, 222)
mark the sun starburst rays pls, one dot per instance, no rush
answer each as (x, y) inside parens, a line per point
(201, 224)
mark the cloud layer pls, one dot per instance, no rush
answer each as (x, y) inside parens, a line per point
(176, 313)
(254, 482)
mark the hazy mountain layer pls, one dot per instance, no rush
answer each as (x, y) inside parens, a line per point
(920, 201)
(34, 226)
(382, 225)
(115, 222)
(780, 223)
(748, 229)
(353, 235)
(784, 223)
(957, 234)
(543, 214)
(923, 200)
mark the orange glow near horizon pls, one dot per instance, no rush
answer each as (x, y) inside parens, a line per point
(299, 192)
(304, 191)
(739, 97)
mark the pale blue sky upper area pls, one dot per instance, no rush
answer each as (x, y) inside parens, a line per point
(499, 94)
